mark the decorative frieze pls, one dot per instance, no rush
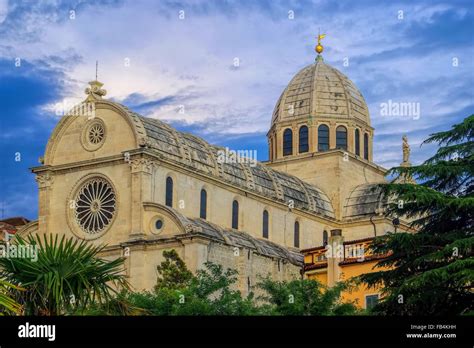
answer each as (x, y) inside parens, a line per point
(141, 165)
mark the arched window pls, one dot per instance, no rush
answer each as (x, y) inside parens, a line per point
(357, 142)
(341, 138)
(235, 215)
(303, 146)
(297, 234)
(169, 192)
(325, 238)
(265, 224)
(366, 146)
(323, 138)
(287, 142)
(203, 206)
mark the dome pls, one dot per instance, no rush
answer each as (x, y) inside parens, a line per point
(321, 91)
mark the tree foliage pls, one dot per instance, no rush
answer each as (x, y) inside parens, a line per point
(173, 273)
(213, 290)
(304, 297)
(8, 305)
(68, 269)
(210, 292)
(66, 275)
(431, 272)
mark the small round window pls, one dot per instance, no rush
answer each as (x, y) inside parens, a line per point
(159, 224)
(93, 135)
(156, 224)
(96, 134)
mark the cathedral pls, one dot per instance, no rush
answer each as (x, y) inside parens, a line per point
(111, 176)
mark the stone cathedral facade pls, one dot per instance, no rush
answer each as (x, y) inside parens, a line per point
(140, 186)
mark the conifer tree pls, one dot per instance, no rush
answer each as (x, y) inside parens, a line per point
(173, 273)
(431, 272)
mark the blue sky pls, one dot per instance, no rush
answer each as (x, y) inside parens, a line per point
(158, 57)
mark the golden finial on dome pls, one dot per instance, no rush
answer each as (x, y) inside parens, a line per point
(319, 48)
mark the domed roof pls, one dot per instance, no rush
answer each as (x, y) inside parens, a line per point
(320, 91)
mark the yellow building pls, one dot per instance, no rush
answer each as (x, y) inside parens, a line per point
(354, 259)
(111, 176)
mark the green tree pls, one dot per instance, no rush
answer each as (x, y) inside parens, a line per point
(217, 289)
(66, 275)
(304, 297)
(178, 292)
(173, 273)
(431, 272)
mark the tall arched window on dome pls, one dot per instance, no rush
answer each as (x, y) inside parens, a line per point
(323, 138)
(203, 207)
(357, 142)
(341, 138)
(169, 192)
(325, 237)
(235, 215)
(296, 241)
(287, 142)
(303, 139)
(265, 224)
(366, 146)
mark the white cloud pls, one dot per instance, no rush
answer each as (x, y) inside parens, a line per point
(192, 59)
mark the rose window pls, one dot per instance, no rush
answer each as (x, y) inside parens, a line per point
(95, 205)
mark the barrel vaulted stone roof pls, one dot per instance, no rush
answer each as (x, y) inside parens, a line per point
(242, 239)
(199, 227)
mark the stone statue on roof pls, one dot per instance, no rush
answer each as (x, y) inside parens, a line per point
(406, 150)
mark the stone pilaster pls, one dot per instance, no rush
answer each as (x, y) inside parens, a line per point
(196, 253)
(332, 135)
(336, 255)
(141, 171)
(295, 139)
(45, 182)
(350, 138)
(371, 150)
(279, 143)
(313, 136)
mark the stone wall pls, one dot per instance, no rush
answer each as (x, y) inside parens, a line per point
(141, 262)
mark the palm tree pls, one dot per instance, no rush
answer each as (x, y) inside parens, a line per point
(63, 276)
(7, 303)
